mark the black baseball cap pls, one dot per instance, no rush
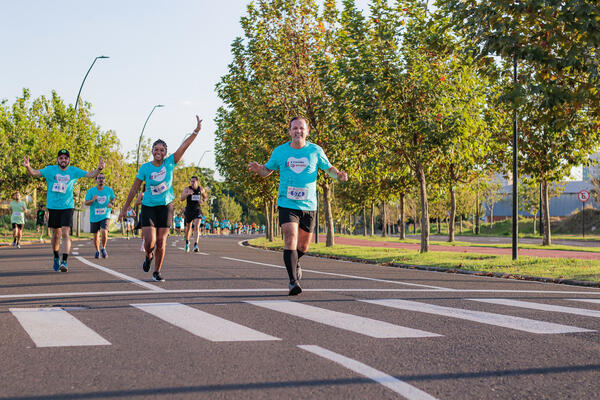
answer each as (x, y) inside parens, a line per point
(63, 151)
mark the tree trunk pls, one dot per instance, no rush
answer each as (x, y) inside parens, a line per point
(534, 221)
(364, 221)
(460, 223)
(401, 224)
(439, 225)
(328, 215)
(452, 214)
(492, 216)
(420, 172)
(547, 240)
(383, 220)
(372, 219)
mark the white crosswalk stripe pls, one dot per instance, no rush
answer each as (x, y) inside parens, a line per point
(365, 326)
(597, 301)
(506, 321)
(54, 327)
(541, 307)
(202, 324)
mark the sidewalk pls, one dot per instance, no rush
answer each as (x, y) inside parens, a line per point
(581, 255)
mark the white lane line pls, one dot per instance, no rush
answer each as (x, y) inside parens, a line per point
(138, 282)
(396, 385)
(202, 324)
(254, 290)
(596, 301)
(505, 321)
(541, 307)
(54, 327)
(75, 253)
(342, 275)
(353, 323)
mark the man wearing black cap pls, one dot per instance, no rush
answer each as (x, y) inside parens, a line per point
(60, 180)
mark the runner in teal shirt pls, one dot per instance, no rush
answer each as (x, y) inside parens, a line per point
(17, 218)
(60, 180)
(100, 199)
(298, 162)
(157, 210)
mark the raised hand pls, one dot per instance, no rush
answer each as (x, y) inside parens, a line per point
(199, 125)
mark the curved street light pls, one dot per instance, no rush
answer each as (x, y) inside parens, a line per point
(137, 160)
(201, 157)
(84, 78)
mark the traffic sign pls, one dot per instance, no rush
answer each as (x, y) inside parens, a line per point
(583, 196)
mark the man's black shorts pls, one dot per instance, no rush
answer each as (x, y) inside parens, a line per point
(96, 226)
(60, 218)
(20, 226)
(305, 219)
(190, 214)
(158, 216)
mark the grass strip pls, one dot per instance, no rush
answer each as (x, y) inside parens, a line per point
(555, 269)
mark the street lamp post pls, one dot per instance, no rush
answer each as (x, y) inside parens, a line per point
(201, 157)
(137, 159)
(84, 78)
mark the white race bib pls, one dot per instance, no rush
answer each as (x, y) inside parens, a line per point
(295, 193)
(17, 214)
(196, 197)
(62, 178)
(59, 187)
(100, 211)
(158, 189)
(101, 199)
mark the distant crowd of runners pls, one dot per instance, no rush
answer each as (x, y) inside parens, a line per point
(297, 160)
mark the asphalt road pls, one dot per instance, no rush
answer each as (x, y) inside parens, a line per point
(222, 326)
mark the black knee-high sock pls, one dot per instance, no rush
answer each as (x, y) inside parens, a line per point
(56, 254)
(65, 256)
(290, 258)
(300, 254)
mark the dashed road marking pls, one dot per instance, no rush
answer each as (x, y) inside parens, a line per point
(541, 307)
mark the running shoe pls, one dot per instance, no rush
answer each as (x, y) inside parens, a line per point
(156, 277)
(196, 249)
(187, 247)
(103, 251)
(97, 255)
(295, 289)
(18, 245)
(146, 264)
(14, 244)
(56, 265)
(63, 266)
(298, 272)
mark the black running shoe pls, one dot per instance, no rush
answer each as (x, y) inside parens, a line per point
(156, 277)
(146, 264)
(295, 289)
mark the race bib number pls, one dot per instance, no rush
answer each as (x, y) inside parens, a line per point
(17, 214)
(59, 187)
(100, 211)
(196, 197)
(294, 193)
(158, 189)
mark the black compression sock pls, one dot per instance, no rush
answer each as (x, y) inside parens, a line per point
(65, 256)
(300, 254)
(56, 254)
(290, 258)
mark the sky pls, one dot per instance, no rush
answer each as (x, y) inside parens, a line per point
(170, 52)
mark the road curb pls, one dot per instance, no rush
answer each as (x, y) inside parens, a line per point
(572, 282)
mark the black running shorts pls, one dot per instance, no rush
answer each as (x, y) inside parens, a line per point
(305, 219)
(60, 218)
(190, 214)
(158, 216)
(96, 226)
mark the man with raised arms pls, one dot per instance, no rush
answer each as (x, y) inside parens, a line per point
(60, 180)
(298, 162)
(194, 195)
